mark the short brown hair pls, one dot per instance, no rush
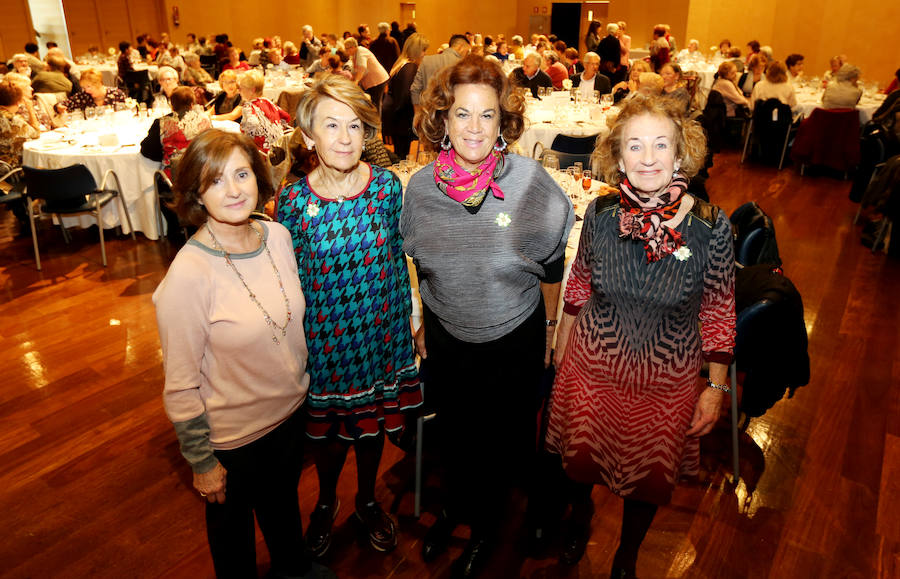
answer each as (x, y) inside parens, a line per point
(776, 72)
(182, 100)
(10, 93)
(343, 90)
(473, 69)
(689, 138)
(725, 68)
(203, 162)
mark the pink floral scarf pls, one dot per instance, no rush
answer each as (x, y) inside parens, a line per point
(644, 218)
(467, 188)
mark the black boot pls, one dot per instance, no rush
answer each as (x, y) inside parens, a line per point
(438, 537)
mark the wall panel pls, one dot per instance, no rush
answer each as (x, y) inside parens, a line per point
(15, 27)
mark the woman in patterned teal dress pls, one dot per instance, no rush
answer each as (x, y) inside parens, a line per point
(344, 220)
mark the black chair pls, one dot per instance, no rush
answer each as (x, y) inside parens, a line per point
(210, 63)
(15, 198)
(71, 191)
(569, 150)
(714, 114)
(138, 86)
(770, 131)
(754, 236)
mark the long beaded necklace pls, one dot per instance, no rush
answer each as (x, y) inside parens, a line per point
(273, 325)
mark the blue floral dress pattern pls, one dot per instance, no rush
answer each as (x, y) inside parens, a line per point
(354, 277)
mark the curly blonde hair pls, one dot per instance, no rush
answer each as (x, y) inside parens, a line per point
(689, 138)
(438, 98)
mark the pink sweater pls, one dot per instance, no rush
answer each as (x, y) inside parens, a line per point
(218, 352)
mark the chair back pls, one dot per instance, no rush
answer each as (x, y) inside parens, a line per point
(691, 83)
(715, 114)
(754, 236)
(61, 189)
(137, 85)
(829, 138)
(209, 63)
(570, 150)
(772, 121)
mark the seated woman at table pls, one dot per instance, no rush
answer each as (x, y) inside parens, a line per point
(261, 119)
(674, 86)
(53, 79)
(691, 53)
(93, 93)
(843, 92)
(630, 86)
(335, 66)
(193, 74)
(724, 49)
(291, 54)
(171, 134)
(234, 61)
(28, 109)
(14, 131)
(775, 86)
(487, 231)
(725, 85)
(228, 100)
(834, 64)
(753, 74)
(321, 64)
(649, 300)
(554, 68)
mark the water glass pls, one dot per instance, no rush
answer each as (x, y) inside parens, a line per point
(551, 163)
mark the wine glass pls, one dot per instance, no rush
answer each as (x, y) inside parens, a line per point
(586, 180)
(576, 173)
(551, 163)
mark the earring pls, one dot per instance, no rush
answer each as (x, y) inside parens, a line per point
(677, 167)
(445, 142)
(500, 145)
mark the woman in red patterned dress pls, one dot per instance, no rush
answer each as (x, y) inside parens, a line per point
(653, 264)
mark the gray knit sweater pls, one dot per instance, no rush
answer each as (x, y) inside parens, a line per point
(480, 274)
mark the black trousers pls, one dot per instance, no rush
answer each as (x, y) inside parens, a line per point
(262, 479)
(486, 398)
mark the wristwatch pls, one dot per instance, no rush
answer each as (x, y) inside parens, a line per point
(550, 323)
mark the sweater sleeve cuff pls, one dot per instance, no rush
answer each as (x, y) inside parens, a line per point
(718, 357)
(554, 270)
(193, 437)
(571, 309)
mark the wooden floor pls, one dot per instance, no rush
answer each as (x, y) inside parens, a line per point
(92, 484)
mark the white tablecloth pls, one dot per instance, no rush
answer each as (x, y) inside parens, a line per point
(810, 98)
(558, 116)
(79, 144)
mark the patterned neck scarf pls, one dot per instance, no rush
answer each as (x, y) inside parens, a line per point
(467, 188)
(644, 218)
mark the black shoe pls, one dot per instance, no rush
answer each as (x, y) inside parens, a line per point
(473, 560)
(437, 537)
(318, 533)
(620, 573)
(378, 526)
(574, 543)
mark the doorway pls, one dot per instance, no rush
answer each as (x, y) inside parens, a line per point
(565, 18)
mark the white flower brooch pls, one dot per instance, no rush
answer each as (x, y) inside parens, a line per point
(682, 253)
(503, 220)
(312, 209)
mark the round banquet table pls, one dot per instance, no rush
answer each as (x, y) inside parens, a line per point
(809, 98)
(81, 143)
(558, 116)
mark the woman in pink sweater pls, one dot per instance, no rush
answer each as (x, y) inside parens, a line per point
(230, 315)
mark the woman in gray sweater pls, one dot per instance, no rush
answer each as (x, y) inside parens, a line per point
(487, 232)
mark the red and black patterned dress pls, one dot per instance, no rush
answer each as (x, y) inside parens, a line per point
(628, 384)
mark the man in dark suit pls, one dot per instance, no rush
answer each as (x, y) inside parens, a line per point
(530, 75)
(590, 80)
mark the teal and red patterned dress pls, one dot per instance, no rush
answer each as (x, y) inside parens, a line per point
(354, 277)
